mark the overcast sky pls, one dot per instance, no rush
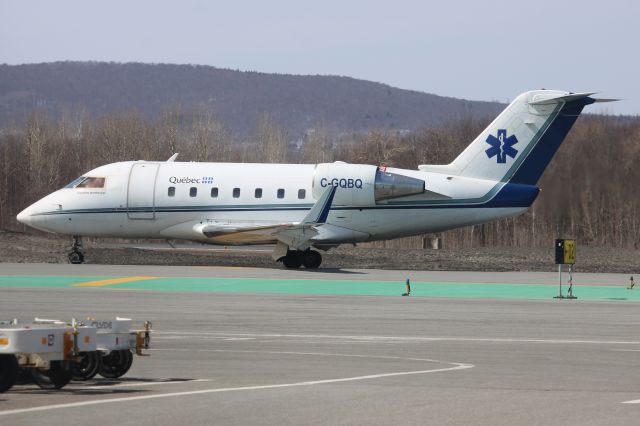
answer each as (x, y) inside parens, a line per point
(481, 50)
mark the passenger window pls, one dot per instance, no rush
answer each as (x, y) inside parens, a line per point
(214, 192)
(280, 193)
(92, 182)
(236, 192)
(172, 191)
(302, 194)
(193, 191)
(258, 192)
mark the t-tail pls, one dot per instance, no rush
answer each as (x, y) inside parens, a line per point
(519, 144)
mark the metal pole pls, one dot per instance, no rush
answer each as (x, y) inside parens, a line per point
(560, 280)
(570, 280)
(570, 294)
(559, 296)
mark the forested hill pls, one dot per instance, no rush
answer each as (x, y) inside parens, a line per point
(340, 104)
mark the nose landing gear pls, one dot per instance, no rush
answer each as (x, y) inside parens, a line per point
(310, 259)
(76, 256)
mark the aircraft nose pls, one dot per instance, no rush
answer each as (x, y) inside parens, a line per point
(30, 217)
(25, 216)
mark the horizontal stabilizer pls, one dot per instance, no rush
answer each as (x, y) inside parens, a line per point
(597, 100)
(544, 99)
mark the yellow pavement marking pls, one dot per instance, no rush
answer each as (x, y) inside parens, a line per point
(112, 281)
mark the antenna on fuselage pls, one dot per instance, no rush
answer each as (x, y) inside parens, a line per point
(173, 158)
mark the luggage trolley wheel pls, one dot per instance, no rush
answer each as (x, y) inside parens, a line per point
(116, 363)
(87, 366)
(8, 371)
(24, 376)
(56, 377)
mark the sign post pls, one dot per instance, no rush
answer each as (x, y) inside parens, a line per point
(565, 255)
(559, 296)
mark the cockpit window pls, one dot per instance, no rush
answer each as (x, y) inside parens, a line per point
(91, 182)
(75, 182)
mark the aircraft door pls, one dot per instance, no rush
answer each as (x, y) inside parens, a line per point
(141, 191)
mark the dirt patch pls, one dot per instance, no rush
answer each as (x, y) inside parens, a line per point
(30, 248)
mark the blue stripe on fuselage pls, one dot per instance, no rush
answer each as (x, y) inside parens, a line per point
(509, 195)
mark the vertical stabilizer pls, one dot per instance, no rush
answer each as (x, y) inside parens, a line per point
(519, 144)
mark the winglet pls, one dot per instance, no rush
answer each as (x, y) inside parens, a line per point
(320, 210)
(172, 158)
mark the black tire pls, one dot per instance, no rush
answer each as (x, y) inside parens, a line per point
(9, 370)
(55, 377)
(76, 258)
(116, 364)
(311, 259)
(87, 366)
(292, 260)
(24, 376)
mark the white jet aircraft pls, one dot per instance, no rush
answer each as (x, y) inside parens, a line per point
(300, 207)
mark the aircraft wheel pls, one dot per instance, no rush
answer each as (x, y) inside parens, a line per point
(87, 366)
(292, 260)
(116, 364)
(311, 259)
(76, 257)
(55, 377)
(8, 371)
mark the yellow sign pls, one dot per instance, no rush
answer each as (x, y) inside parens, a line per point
(569, 252)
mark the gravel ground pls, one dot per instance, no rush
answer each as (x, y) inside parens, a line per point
(30, 248)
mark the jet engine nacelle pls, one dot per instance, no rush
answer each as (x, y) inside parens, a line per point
(362, 184)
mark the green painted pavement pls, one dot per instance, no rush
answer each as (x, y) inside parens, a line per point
(330, 287)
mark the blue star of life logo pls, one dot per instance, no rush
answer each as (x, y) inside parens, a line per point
(502, 146)
(207, 179)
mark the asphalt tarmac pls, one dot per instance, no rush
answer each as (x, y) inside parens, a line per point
(225, 357)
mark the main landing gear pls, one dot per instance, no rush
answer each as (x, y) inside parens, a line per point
(76, 256)
(310, 259)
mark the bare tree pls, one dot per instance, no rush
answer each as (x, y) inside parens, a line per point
(272, 141)
(590, 190)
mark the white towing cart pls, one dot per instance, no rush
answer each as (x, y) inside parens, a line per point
(52, 353)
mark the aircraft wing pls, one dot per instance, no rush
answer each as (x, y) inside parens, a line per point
(293, 234)
(299, 235)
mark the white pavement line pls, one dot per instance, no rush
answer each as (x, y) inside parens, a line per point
(405, 338)
(625, 350)
(457, 366)
(309, 353)
(634, 401)
(125, 385)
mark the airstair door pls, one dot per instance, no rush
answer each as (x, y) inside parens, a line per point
(141, 191)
